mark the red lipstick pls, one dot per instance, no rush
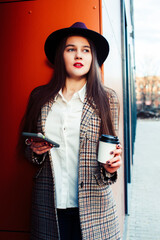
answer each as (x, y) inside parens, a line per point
(78, 65)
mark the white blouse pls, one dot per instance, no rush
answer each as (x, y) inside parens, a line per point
(63, 127)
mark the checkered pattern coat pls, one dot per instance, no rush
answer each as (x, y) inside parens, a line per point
(97, 208)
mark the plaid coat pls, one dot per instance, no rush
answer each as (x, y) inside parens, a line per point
(97, 208)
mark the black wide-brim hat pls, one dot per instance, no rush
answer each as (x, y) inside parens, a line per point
(78, 28)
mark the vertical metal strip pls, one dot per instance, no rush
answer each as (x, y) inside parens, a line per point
(100, 17)
(101, 32)
(125, 113)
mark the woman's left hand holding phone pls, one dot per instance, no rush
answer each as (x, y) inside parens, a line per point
(40, 147)
(38, 142)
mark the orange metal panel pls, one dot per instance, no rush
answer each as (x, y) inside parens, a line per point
(11, 1)
(24, 28)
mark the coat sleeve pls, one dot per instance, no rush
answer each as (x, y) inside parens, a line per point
(114, 108)
(33, 157)
(108, 178)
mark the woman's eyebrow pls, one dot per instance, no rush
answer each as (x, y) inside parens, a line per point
(86, 46)
(72, 45)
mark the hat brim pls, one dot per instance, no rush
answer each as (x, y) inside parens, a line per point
(53, 40)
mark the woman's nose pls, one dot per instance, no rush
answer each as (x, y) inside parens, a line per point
(78, 55)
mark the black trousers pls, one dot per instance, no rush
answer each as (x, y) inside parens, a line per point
(69, 224)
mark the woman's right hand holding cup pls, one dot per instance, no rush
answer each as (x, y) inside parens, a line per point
(109, 153)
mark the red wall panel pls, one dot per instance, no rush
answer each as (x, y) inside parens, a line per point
(23, 66)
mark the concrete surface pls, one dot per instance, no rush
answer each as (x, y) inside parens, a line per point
(143, 222)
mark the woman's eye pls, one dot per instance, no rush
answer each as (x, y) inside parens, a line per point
(70, 49)
(86, 50)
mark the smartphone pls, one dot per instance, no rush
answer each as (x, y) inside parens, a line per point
(38, 137)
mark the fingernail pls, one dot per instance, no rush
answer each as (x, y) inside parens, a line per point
(118, 145)
(111, 152)
(108, 162)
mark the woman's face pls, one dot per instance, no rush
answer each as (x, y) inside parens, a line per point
(77, 57)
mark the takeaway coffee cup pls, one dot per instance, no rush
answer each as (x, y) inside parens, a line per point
(107, 144)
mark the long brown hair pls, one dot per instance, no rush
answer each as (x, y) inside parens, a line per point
(96, 94)
(96, 91)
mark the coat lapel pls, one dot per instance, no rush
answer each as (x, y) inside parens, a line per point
(44, 113)
(87, 113)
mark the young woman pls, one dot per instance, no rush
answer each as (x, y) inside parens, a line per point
(72, 197)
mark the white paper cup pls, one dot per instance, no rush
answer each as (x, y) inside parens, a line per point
(107, 144)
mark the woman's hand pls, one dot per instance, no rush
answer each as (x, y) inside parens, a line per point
(40, 147)
(113, 164)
